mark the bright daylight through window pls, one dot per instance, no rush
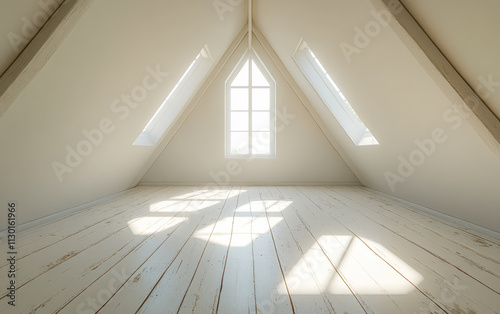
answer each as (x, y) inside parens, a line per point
(332, 96)
(250, 110)
(177, 99)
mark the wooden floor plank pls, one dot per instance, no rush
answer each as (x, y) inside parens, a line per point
(369, 277)
(40, 237)
(123, 198)
(315, 259)
(437, 276)
(478, 237)
(485, 270)
(271, 292)
(238, 288)
(79, 219)
(144, 266)
(485, 246)
(52, 256)
(301, 282)
(254, 250)
(203, 292)
(140, 284)
(70, 226)
(170, 290)
(75, 273)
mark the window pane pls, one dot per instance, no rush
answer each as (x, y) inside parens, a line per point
(258, 78)
(239, 143)
(261, 143)
(242, 78)
(261, 99)
(239, 121)
(260, 121)
(333, 97)
(239, 98)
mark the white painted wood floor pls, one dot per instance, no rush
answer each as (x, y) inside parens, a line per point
(254, 249)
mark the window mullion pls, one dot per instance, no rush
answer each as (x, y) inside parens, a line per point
(250, 109)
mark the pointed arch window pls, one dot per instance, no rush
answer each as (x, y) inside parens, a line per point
(250, 110)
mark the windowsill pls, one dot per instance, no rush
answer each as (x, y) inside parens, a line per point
(249, 157)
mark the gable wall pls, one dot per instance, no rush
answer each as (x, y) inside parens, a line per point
(196, 153)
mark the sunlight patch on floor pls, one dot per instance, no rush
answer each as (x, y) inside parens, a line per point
(162, 211)
(410, 273)
(360, 267)
(367, 274)
(315, 261)
(163, 205)
(239, 239)
(243, 217)
(146, 225)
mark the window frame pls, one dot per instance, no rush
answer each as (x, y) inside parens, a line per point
(250, 56)
(332, 96)
(180, 95)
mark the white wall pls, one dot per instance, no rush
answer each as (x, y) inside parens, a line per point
(398, 101)
(196, 153)
(467, 34)
(105, 56)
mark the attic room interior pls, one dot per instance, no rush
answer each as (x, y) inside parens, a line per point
(250, 156)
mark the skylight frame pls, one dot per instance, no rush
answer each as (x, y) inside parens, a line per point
(248, 57)
(176, 100)
(332, 96)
